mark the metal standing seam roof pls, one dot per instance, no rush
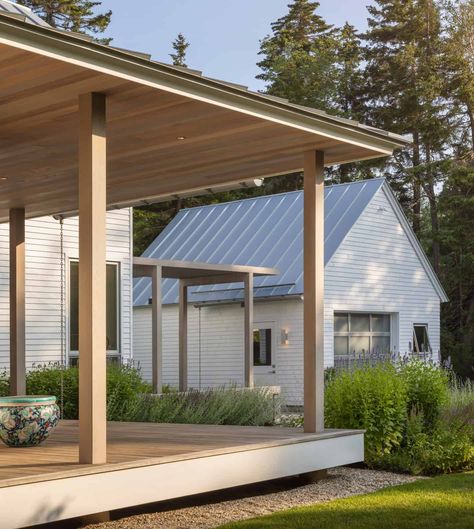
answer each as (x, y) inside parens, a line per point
(23, 12)
(261, 231)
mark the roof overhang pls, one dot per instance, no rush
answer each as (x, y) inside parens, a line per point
(169, 130)
(195, 270)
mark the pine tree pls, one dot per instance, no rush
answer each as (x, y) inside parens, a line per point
(298, 57)
(405, 85)
(349, 78)
(180, 46)
(72, 15)
(459, 22)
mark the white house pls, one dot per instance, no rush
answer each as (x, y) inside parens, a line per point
(380, 290)
(51, 289)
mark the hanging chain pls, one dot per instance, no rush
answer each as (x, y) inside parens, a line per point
(62, 313)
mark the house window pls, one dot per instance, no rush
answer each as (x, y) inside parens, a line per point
(262, 347)
(361, 333)
(112, 311)
(421, 341)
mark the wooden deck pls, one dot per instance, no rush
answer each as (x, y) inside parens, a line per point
(151, 462)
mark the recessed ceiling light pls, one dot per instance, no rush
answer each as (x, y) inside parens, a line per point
(180, 138)
(3, 177)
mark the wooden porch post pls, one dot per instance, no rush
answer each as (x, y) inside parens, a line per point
(157, 324)
(17, 302)
(183, 336)
(248, 331)
(92, 279)
(314, 291)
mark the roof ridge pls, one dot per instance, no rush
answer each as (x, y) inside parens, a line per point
(283, 193)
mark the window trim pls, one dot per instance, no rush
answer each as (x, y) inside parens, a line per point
(111, 353)
(257, 325)
(370, 333)
(416, 349)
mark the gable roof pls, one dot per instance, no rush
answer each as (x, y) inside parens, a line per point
(263, 231)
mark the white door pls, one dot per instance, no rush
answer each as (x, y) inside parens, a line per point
(264, 354)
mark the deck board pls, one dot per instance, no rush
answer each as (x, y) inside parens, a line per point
(137, 444)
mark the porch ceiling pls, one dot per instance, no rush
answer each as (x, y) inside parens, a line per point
(230, 134)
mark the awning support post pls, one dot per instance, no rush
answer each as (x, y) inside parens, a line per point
(157, 325)
(248, 331)
(183, 336)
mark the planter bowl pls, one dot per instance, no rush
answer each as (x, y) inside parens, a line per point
(27, 420)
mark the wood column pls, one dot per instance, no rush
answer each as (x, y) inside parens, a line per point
(248, 331)
(92, 279)
(183, 336)
(313, 291)
(157, 325)
(17, 302)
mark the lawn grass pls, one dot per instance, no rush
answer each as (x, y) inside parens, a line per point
(443, 502)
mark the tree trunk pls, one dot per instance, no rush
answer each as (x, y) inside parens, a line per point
(471, 125)
(429, 188)
(416, 205)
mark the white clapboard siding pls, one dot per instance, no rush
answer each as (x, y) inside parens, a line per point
(43, 287)
(374, 269)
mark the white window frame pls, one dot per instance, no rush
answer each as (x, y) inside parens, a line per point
(370, 333)
(112, 354)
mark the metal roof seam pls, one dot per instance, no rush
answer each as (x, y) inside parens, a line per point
(273, 225)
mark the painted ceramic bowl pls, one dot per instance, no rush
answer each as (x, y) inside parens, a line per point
(27, 420)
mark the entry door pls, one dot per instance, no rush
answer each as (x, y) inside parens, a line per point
(264, 354)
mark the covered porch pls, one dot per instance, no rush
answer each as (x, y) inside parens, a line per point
(85, 128)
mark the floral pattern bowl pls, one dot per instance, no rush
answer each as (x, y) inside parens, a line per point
(27, 420)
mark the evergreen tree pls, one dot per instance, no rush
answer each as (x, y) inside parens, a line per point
(405, 85)
(298, 57)
(349, 58)
(72, 15)
(456, 204)
(180, 46)
(460, 60)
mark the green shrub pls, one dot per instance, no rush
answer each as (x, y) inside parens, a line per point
(417, 418)
(212, 406)
(427, 387)
(4, 384)
(370, 398)
(446, 448)
(123, 384)
(46, 380)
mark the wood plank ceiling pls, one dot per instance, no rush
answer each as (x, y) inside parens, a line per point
(159, 143)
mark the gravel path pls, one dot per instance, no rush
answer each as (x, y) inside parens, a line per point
(220, 508)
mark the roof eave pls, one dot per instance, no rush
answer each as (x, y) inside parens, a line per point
(415, 243)
(70, 48)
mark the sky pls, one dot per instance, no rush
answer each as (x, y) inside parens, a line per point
(224, 34)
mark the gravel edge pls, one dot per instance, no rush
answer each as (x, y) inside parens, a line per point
(341, 482)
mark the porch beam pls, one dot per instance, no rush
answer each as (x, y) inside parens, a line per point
(313, 291)
(157, 325)
(17, 302)
(183, 336)
(248, 331)
(92, 279)
(216, 279)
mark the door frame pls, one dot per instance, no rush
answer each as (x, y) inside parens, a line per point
(272, 368)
